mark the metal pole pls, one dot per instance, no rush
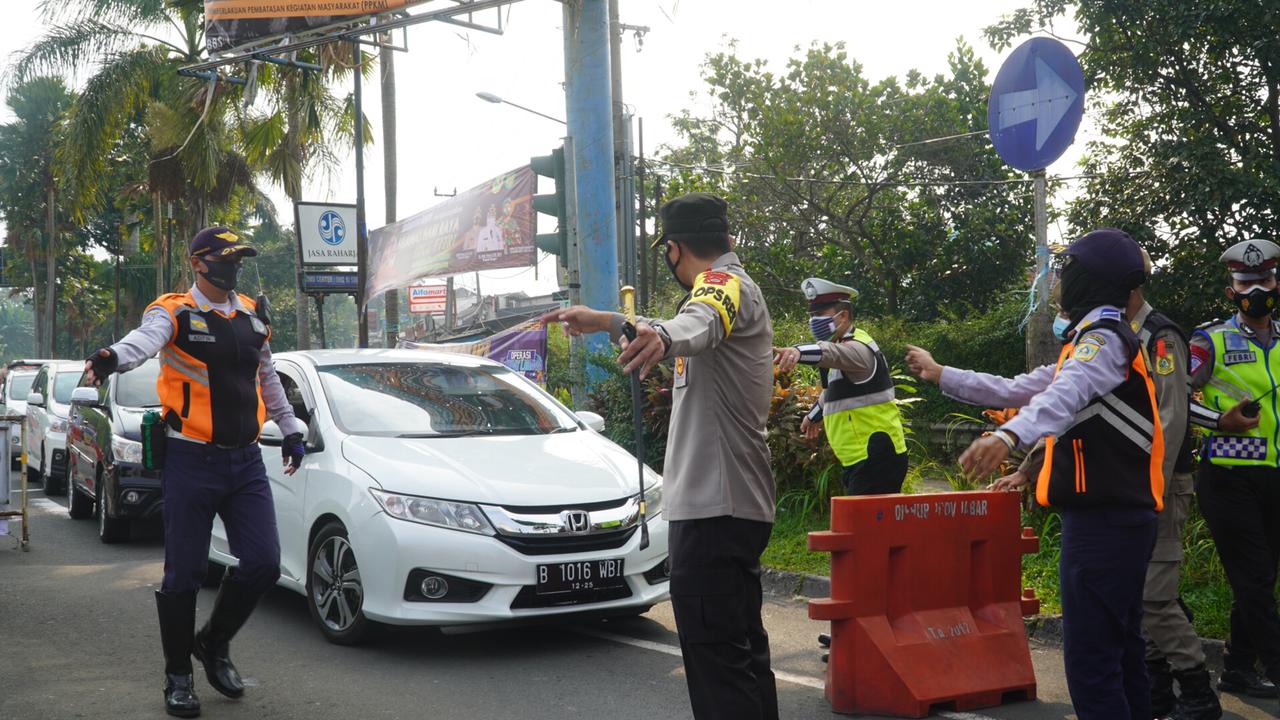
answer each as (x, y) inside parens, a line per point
(450, 307)
(320, 316)
(362, 238)
(1040, 341)
(589, 106)
(388, 67)
(115, 319)
(657, 230)
(619, 137)
(644, 231)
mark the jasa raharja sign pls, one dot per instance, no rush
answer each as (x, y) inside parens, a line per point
(326, 232)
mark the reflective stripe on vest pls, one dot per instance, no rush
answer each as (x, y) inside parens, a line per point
(1249, 374)
(1116, 439)
(854, 411)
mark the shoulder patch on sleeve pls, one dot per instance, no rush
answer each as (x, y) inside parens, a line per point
(722, 291)
(1088, 347)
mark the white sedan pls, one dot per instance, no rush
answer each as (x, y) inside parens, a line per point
(444, 489)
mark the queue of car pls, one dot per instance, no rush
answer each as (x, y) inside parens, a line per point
(437, 489)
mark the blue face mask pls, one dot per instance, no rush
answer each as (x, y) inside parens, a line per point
(1060, 325)
(822, 327)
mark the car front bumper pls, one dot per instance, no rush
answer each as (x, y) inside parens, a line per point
(135, 493)
(55, 443)
(390, 550)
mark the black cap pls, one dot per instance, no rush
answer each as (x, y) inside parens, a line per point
(219, 242)
(693, 214)
(1112, 256)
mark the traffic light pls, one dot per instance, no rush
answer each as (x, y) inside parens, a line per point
(554, 204)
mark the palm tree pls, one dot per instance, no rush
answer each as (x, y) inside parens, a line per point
(28, 188)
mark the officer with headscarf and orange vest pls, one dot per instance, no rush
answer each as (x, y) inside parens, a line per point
(1102, 469)
(217, 385)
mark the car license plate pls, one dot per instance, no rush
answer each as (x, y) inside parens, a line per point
(580, 576)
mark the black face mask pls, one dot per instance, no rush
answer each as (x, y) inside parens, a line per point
(1258, 302)
(672, 267)
(223, 275)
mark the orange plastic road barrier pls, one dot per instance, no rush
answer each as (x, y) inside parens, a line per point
(925, 607)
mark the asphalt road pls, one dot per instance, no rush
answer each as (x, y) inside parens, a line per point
(78, 639)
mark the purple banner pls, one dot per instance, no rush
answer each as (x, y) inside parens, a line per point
(522, 348)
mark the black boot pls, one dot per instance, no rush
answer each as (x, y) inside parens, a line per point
(212, 643)
(1196, 699)
(1162, 697)
(177, 613)
(1246, 682)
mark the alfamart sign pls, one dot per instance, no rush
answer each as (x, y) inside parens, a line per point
(326, 233)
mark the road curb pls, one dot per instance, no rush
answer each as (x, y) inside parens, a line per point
(1043, 629)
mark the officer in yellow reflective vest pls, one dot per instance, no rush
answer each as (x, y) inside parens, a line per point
(857, 405)
(1237, 362)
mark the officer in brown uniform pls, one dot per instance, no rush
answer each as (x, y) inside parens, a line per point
(719, 491)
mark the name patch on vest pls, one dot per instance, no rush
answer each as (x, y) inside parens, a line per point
(1233, 358)
(193, 337)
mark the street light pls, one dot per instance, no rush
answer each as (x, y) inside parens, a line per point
(490, 97)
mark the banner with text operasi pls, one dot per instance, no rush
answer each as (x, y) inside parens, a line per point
(488, 227)
(232, 23)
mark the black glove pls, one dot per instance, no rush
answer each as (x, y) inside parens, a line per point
(292, 449)
(103, 362)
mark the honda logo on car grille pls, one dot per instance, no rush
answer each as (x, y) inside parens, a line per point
(576, 521)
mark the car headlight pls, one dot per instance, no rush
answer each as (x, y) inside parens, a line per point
(126, 450)
(57, 425)
(440, 513)
(653, 500)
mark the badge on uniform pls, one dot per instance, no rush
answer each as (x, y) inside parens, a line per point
(1164, 361)
(1235, 358)
(682, 372)
(198, 324)
(1085, 352)
(258, 326)
(1235, 341)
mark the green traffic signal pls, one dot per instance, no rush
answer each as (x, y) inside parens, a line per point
(554, 204)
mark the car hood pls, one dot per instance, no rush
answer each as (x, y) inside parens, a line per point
(130, 422)
(510, 470)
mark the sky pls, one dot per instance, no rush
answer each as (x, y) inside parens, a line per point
(450, 139)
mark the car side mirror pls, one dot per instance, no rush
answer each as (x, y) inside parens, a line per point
(271, 434)
(591, 420)
(85, 397)
(35, 399)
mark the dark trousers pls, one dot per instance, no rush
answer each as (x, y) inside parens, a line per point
(201, 480)
(1242, 509)
(716, 598)
(1102, 569)
(881, 473)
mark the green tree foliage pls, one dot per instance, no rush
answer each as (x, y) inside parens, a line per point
(1189, 96)
(831, 173)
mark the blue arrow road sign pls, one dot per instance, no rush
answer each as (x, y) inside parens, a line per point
(1037, 101)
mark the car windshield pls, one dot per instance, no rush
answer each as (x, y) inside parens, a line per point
(63, 383)
(20, 386)
(137, 388)
(438, 400)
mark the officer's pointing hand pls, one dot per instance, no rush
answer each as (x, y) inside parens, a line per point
(100, 365)
(1234, 420)
(644, 352)
(786, 358)
(921, 364)
(984, 456)
(580, 320)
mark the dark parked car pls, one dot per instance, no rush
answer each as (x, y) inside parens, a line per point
(106, 477)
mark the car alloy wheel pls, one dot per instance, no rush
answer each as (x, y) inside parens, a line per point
(335, 589)
(110, 530)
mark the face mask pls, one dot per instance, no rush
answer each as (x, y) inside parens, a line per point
(1060, 326)
(672, 267)
(223, 275)
(1257, 301)
(822, 327)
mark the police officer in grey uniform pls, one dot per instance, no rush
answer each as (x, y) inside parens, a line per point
(719, 489)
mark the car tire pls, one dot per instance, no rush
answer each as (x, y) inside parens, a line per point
(79, 505)
(213, 575)
(110, 530)
(52, 486)
(336, 607)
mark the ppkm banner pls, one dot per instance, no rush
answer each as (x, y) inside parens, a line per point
(522, 348)
(488, 227)
(232, 23)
